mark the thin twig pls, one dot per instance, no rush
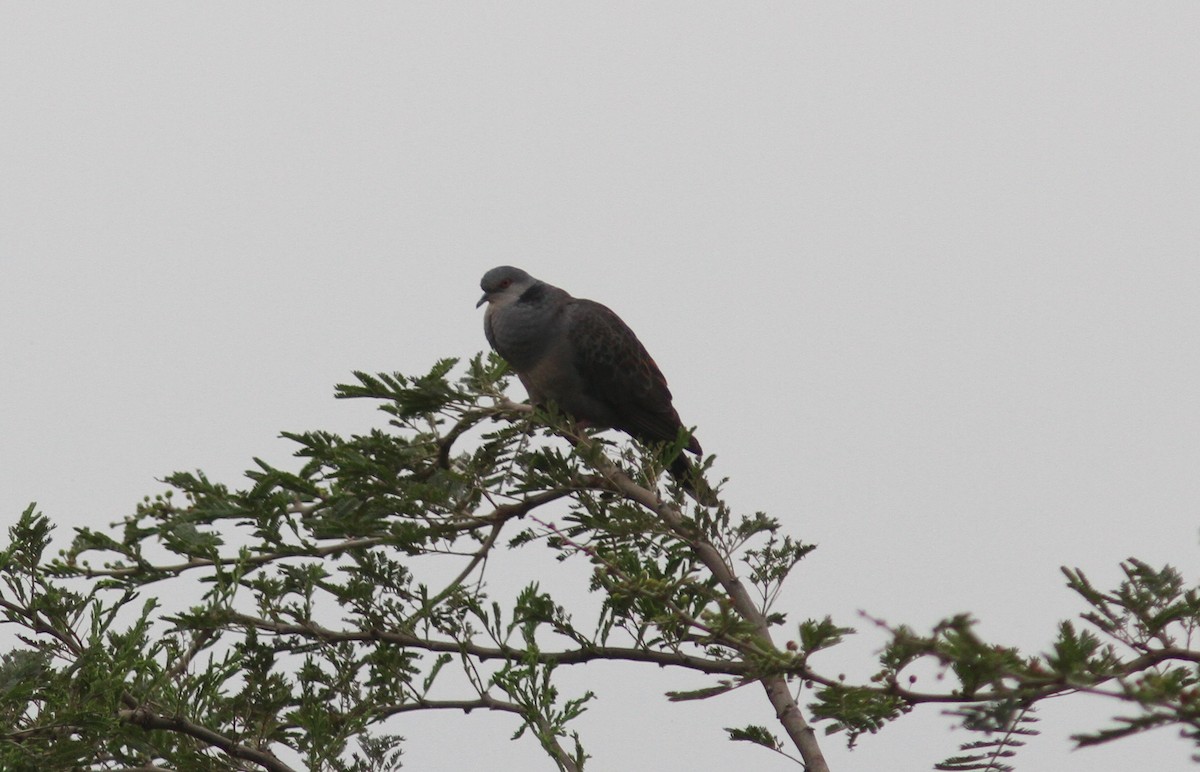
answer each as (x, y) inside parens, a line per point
(565, 657)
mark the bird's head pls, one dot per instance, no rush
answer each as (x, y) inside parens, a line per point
(504, 284)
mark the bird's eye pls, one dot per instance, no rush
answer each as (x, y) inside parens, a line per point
(504, 283)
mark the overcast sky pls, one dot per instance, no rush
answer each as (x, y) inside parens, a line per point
(925, 276)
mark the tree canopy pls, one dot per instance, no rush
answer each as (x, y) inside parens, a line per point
(288, 624)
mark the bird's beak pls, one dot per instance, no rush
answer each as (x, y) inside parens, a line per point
(482, 300)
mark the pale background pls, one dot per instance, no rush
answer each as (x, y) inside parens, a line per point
(924, 276)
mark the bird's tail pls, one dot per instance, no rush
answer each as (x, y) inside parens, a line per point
(693, 483)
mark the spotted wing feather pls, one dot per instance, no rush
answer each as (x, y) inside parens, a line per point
(616, 369)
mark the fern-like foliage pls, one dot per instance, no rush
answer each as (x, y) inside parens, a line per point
(1004, 723)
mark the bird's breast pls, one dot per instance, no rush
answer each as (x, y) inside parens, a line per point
(518, 336)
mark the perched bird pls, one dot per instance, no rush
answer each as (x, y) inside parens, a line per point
(580, 356)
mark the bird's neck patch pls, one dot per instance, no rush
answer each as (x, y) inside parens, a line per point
(534, 294)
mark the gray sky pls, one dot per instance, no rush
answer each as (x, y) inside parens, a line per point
(924, 276)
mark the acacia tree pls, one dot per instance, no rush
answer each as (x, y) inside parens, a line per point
(327, 601)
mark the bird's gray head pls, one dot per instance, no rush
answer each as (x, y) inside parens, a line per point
(504, 283)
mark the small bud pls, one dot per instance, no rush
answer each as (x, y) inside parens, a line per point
(793, 646)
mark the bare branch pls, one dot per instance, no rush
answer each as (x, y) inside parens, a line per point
(484, 701)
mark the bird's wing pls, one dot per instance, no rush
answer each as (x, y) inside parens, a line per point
(616, 369)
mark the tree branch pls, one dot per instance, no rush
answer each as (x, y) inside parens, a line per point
(255, 561)
(485, 701)
(565, 657)
(500, 514)
(786, 709)
(143, 717)
(488, 702)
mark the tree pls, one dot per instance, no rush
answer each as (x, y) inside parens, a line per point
(353, 590)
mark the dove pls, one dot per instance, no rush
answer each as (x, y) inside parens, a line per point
(580, 356)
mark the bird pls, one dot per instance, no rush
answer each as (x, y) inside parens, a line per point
(580, 356)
